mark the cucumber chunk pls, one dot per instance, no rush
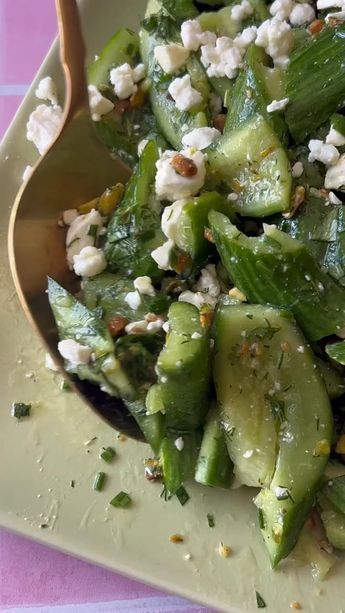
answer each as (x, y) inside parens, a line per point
(214, 467)
(277, 269)
(122, 48)
(334, 524)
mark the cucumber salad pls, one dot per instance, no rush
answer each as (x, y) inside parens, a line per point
(212, 285)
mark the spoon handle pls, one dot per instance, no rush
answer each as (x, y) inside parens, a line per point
(72, 54)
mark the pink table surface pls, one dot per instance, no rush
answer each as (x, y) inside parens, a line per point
(32, 577)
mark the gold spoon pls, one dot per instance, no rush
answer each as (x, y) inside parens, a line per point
(76, 168)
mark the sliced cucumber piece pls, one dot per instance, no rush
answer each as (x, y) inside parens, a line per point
(334, 524)
(122, 48)
(214, 467)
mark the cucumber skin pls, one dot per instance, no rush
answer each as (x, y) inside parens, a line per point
(114, 53)
(254, 266)
(334, 524)
(307, 420)
(214, 467)
(178, 466)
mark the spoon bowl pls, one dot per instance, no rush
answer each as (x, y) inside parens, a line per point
(75, 169)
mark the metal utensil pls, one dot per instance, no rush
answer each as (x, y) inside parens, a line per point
(76, 169)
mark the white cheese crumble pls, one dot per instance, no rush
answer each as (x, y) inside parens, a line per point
(301, 14)
(335, 175)
(27, 173)
(170, 219)
(246, 37)
(172, 186)
(99, 105)
(300, 349)
(196, 335)
(277, 105)
(329, 4)
(47, 90)
(161, 255)
(141, 146)
(133, 300)
(179, 443)
(198, 299)
(281, 9)
(50, 363)
(69, 215)
(276, 37)
(239, 12)
(166, 327)
(223, 59)
(193, 36)
(144, 286)
(78, 234)
(297, 170)
(208, 282)
(171, 57)
(74, 352)
(335, 138)
(124, 79)
(136, 327)
(184, 94)
(154, 326)
(43, 126)
(200, 138)
(333, 199)
(327, 154)
(89, 262)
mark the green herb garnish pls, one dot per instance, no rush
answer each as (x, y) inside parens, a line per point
(182, 495)
(99, 481)
(65, 386)
(108, 454)
(121, 501)
(210, 519)
(260, 603)
(20, 410)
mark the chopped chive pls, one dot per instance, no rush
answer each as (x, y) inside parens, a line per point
(65, 386)
(262, 522)
(182, 495)
(72, 483)
(260, 601)
(74, 240)
(20, 410)
(121, 501)
(210, 519)
(165, 494)
(108, 454)
(43, 525)
(93, 229)
(99, 481)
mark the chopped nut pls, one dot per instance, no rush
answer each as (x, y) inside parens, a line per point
(208, 235)
(285, 347)
(86, 207)
(122, 437)
(236, 185)
(298, 199)
(234, 292)
(219, 122)
(244, 349)
(138, 99)
(150, 317)
(224, 550)
(117, 324)
(340, 447)
(183, 261)
(316, 26)
(322, 449)
(295, 605)
(333, 22)
(326, 546)
(121, 106)
(206, 318)
(184, 166)
(111, 198)
(153, 470)
(266, 152)
(176, 538)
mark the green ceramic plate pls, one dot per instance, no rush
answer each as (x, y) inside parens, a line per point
(40, 456)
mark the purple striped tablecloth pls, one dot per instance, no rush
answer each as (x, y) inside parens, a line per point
(34, 578)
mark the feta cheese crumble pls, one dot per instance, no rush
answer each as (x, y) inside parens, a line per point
(171, 57)
(99, 105)
(277, 105)
(43, 126)
(172, 186)
(276, 37)
(200, 138)
(196, 335)
(246, 37)
(89, 262)
(223, 59)
(74, 352)
(179, 443)
(144, 286)
(335, 175)
(161, 255)
(124, 78)
(69, 216)
(333, 198)
(239, 12)
(208, 281)
(170, 218)
(281, 9)
(193, 36)
(327, 154)
(335, 138)
(297, 170)
(184, 94)
(329, 4)
(133, 300)
(47, 90)
(78, 234)
(301, 14)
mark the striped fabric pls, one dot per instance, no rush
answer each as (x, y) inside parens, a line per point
(33, 578)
